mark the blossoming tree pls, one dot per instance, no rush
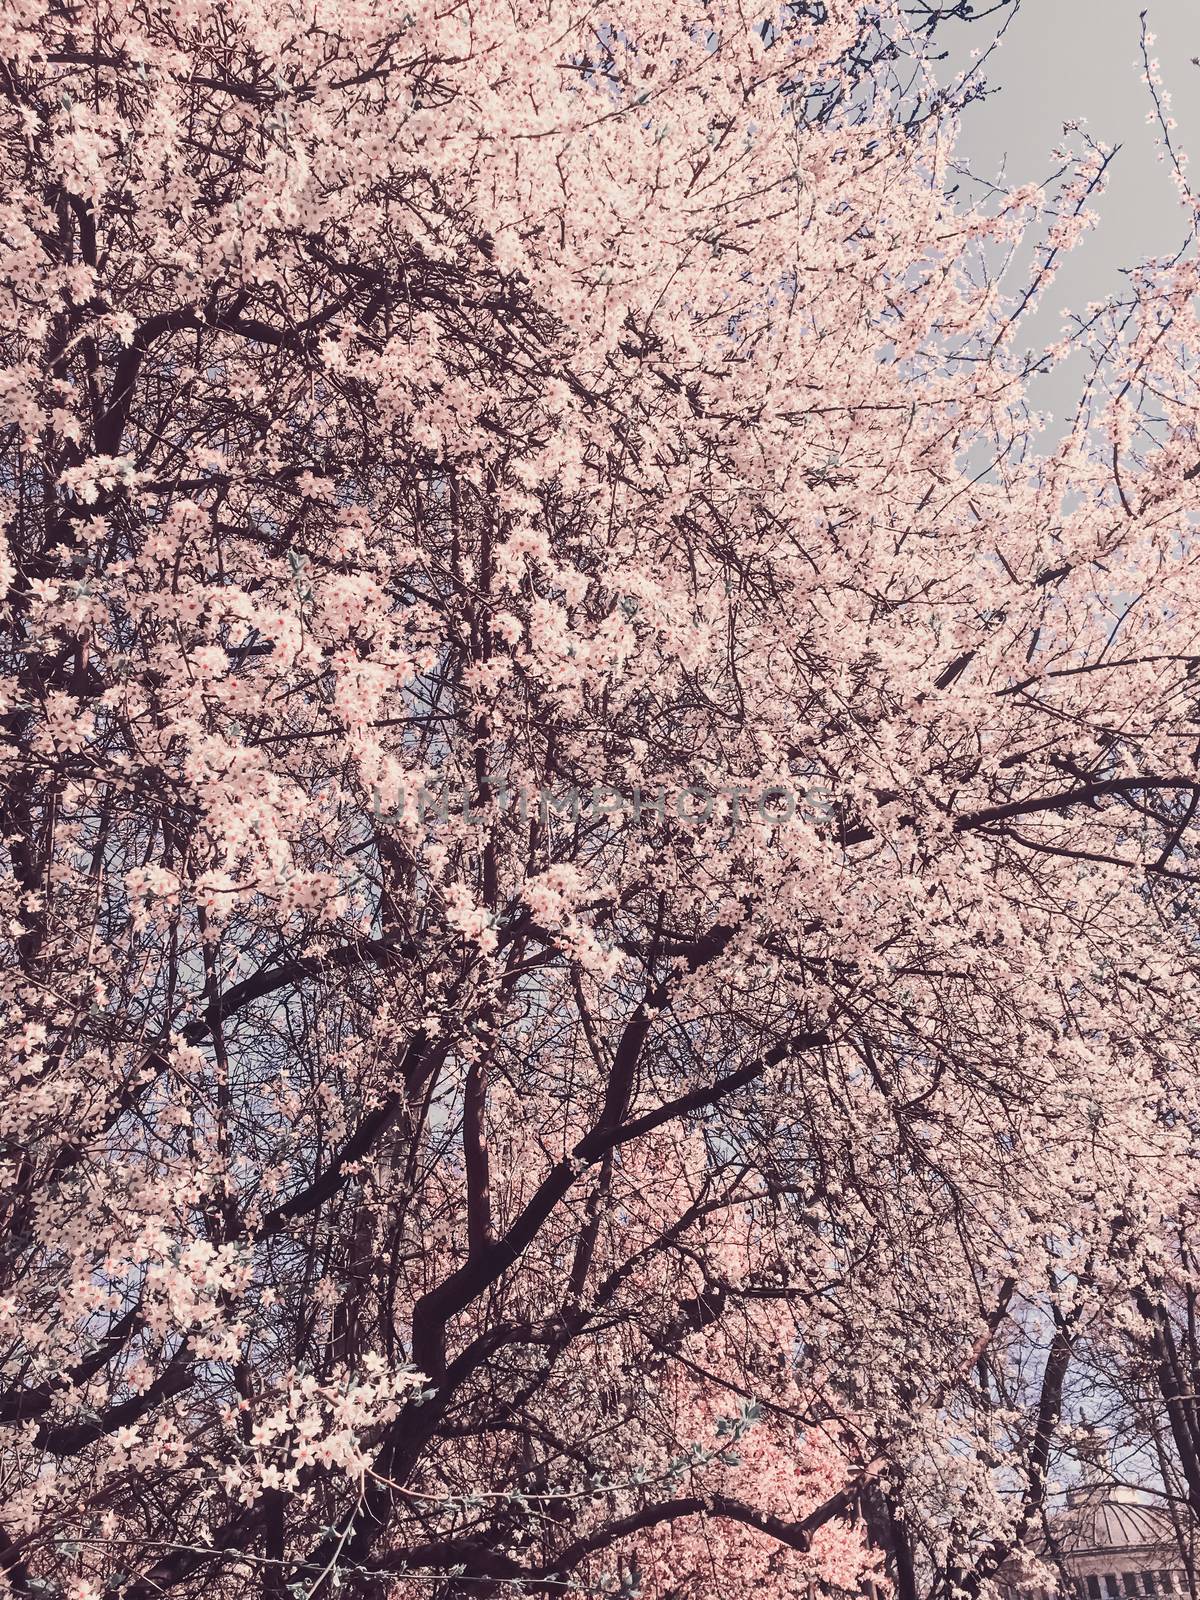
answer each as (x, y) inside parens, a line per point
(670, 1190)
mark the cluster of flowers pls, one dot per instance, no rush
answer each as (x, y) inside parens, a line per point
(732, 803)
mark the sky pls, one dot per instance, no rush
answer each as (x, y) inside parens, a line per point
(1080, 59)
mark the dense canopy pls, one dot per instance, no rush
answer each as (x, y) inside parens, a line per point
(599, 980)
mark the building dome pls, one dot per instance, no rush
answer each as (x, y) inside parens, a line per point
(1095, 1523)
(1114, 1546)
(1108, 1545)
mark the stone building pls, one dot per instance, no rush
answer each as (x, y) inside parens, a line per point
(1115, 1547)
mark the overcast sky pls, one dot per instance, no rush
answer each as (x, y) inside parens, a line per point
(1080, 59)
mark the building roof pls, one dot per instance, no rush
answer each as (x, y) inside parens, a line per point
(1111, 1519)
